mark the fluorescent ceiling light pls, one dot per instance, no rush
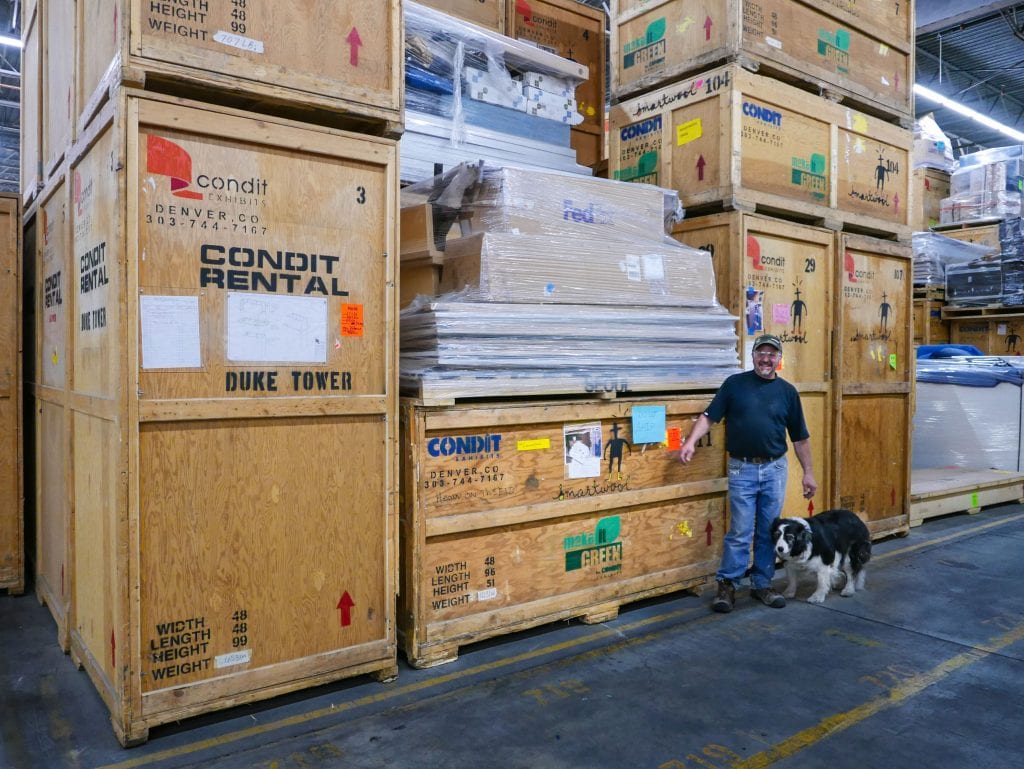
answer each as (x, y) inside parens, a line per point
(956, 106)
(12, 41)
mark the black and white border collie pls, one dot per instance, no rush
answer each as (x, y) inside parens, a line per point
(831, 542)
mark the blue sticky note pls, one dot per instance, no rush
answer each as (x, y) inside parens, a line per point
(648, 424)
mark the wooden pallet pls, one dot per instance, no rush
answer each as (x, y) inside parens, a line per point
(940, 491)
(937, 293)
(429, 655)
(983, 311)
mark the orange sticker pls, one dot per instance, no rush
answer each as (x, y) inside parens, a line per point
(675, 441)
(351, 320)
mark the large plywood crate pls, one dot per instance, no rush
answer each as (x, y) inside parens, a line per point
(31, 114)
(230, 414)
(777, 277)
(874, 381)
(992, 334)
(864, 59)
(12, 496)
(731, 138)
(984, 233)
(930, 186)
(489, 14)
(337, 63)
(520, 513)
(52, 321)
(573, 31)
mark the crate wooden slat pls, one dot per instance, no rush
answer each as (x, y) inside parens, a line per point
(255, 322)
(873, 375)
(490, 14)
(337, 63)
(573, 31)
(58, 118)
(731, 138)
(868, 66)
(498, 537)
(945, 490)
(12, 497)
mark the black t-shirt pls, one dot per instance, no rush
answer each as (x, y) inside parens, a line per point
(758, 413)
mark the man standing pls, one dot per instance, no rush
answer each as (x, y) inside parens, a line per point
(759, 408)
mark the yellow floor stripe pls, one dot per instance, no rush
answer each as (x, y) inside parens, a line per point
(391, 693)
(842, 721)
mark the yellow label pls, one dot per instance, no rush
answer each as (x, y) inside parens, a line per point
(534, 444)
(688, 131)
(860, 123)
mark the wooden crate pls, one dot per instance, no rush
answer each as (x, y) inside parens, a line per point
(984, 234)
(777, 277)
(944, 490)
(930, 187)
(58, 105)
(336, 63)
(255, 322)
(31, 109)
(489, 14)
(992, 335)
(498, 536)
(12, 497)
(573, 31)
(874, 379)
(731, 138)
(929, 327)
(867, 64)
(52, 321)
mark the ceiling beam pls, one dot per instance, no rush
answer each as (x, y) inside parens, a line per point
(938, 15)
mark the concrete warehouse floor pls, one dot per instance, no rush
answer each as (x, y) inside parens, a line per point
(925, 669)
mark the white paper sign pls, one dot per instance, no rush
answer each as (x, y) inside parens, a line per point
(170, 332)
(263, 328)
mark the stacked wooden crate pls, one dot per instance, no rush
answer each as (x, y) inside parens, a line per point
(12, 498)
(214, 203)
(800, 113)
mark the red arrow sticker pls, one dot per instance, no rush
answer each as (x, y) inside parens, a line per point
(810, 509)
(354, 41)
(707, 530)
(701, 162)
(345, 606)
(707, 28)
(113, 650)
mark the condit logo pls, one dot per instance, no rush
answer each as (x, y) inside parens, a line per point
(168, 159)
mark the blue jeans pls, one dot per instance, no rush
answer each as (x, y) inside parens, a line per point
(756, 496)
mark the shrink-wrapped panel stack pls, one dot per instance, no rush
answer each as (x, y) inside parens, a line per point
(561, 284)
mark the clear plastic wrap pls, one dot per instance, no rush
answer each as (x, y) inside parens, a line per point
(968, 413)
(509, 199)
(502, 267)
(985, 184)
(454, 348)
(934, 252)
(931, 146)
(465, 98)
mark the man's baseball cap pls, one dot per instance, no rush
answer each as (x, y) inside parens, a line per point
(769, 339)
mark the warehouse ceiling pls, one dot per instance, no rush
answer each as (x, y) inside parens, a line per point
(974, 55)
(970, 53)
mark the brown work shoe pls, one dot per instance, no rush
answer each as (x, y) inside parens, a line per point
(725, 597)
(769, 597)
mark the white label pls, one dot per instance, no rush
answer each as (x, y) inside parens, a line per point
(632, 268)
(774, 42)
(654, 267)
(234, 658)
(237, 41)
(487, 595)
